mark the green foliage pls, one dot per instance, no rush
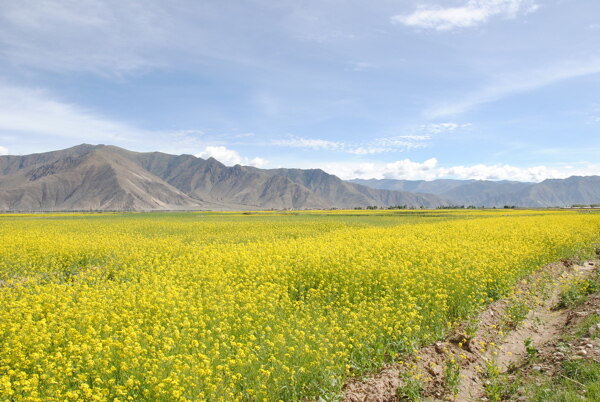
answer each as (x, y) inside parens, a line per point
(576, 292)
(579, 380)
(452, 376)
(515, 312)
(531, 350)
(499, 387)
(586, 324)
(411, 390)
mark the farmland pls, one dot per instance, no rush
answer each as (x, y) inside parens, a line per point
(249, 306)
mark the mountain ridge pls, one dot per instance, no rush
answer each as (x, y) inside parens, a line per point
(105, 177)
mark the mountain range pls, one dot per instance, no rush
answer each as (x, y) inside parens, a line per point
(575, 190)
(104, 177)
(101, 177)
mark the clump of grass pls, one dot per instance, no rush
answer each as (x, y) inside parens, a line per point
(578, 380)
(531, 350)
(515, 313)
(575, 292)
(412, 389)
(499, 387)
(584, 371)
(586, 324)
(452, 376)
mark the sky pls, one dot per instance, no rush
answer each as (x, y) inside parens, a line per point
(402, 89)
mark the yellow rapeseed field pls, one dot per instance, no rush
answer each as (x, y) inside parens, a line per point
(249, 306)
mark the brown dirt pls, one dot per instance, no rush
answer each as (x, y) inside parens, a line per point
(497, 341)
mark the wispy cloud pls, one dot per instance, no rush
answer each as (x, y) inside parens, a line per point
(438, 128)
(472, 13)
(403, 142)
(34, 110)
(115, 38)
(429, 169)
(312, 143)
(416, 137)
(325, 145)
(85, 35)
(419, 136)
(368, 150)
(230, 157)
(503, 86)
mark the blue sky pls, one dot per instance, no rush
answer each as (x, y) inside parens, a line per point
(486, 89)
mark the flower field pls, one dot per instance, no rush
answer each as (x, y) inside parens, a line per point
(249, 306)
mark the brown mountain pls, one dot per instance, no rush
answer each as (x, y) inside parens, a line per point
(84, 177)
(102, 177)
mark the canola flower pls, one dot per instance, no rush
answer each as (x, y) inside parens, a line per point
(261, 306)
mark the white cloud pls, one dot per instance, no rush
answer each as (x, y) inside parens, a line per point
(429, 170)
(313, 143)
(501, 172)
(258, 162)
(3, 151)
(230, 157)
(472, 13)
(405, 169)
(511, 84)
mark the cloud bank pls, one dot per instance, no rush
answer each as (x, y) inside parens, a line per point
(407, 169)
(230, 157)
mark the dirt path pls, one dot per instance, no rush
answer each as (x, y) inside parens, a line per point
(508, 331)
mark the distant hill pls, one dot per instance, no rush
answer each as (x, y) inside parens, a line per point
(560, 192)
(487, 193)
(549, 193)
(439, 186)
(99, 177)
